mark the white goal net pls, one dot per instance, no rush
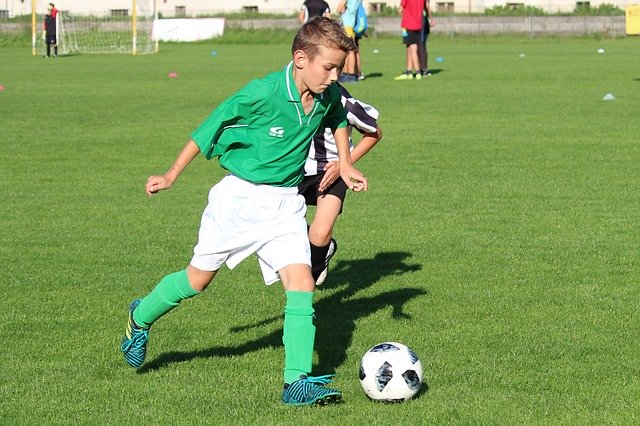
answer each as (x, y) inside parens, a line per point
(110, 31)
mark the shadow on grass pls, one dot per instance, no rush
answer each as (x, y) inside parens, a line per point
(337, 312)
(373, 75)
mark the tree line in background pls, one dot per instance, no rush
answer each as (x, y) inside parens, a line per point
(580, 10)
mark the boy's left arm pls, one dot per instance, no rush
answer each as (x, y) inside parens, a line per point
(337, 121)
(354, 179)
(332, 170)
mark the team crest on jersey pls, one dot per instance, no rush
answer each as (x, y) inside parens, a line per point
(277, 132)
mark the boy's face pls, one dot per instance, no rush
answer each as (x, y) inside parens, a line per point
(323, 70)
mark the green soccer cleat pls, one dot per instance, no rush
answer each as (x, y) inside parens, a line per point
(404, 76)
(310, 391)
(134, 343)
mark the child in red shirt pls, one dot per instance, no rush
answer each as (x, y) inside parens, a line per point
(412, 11)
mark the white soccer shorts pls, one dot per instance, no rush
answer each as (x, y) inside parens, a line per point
(243, 218)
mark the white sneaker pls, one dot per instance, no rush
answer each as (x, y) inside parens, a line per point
(333, 248)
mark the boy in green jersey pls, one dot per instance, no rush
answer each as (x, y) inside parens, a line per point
(261, 136)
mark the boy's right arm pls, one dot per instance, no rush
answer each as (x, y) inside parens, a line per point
(367, 142)
(160, 182)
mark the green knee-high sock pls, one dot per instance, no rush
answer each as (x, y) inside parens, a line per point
(165, 296)
(299, 335)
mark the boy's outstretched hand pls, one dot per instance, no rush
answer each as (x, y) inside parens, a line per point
(156, 184)
(353, 178)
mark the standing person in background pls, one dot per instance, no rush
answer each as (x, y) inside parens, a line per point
(348, 10)
(313, 8)
(360, 30)
(412, 11)
(423, 56)
(51, 9)
(49, 33)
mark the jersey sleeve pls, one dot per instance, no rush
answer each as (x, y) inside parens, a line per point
(360, 115)
(233, 115)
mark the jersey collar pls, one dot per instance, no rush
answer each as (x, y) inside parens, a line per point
(292, 95)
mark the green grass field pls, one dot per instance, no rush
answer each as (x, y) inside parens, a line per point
(498, 239)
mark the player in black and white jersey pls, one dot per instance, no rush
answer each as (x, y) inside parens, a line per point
(313, 8)
(322, 186)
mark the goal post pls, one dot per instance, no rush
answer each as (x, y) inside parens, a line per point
(98, 30)
(33, 28)
(134, 27)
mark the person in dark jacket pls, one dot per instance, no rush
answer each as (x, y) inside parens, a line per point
(49, 33)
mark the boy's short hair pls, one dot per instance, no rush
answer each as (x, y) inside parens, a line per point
(322, 31)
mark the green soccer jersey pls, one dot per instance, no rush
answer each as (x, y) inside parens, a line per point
(262, 135)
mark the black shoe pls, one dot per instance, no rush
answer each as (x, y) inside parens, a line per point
(333, 248)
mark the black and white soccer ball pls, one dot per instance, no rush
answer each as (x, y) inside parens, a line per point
(390, 372)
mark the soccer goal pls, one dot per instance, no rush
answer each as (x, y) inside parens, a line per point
(83, 30)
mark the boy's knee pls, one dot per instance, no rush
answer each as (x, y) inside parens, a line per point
(199, 279)
(297, 278)
(320, 235)
(305, 284)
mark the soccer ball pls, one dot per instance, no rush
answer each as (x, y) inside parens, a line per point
(390, 372)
